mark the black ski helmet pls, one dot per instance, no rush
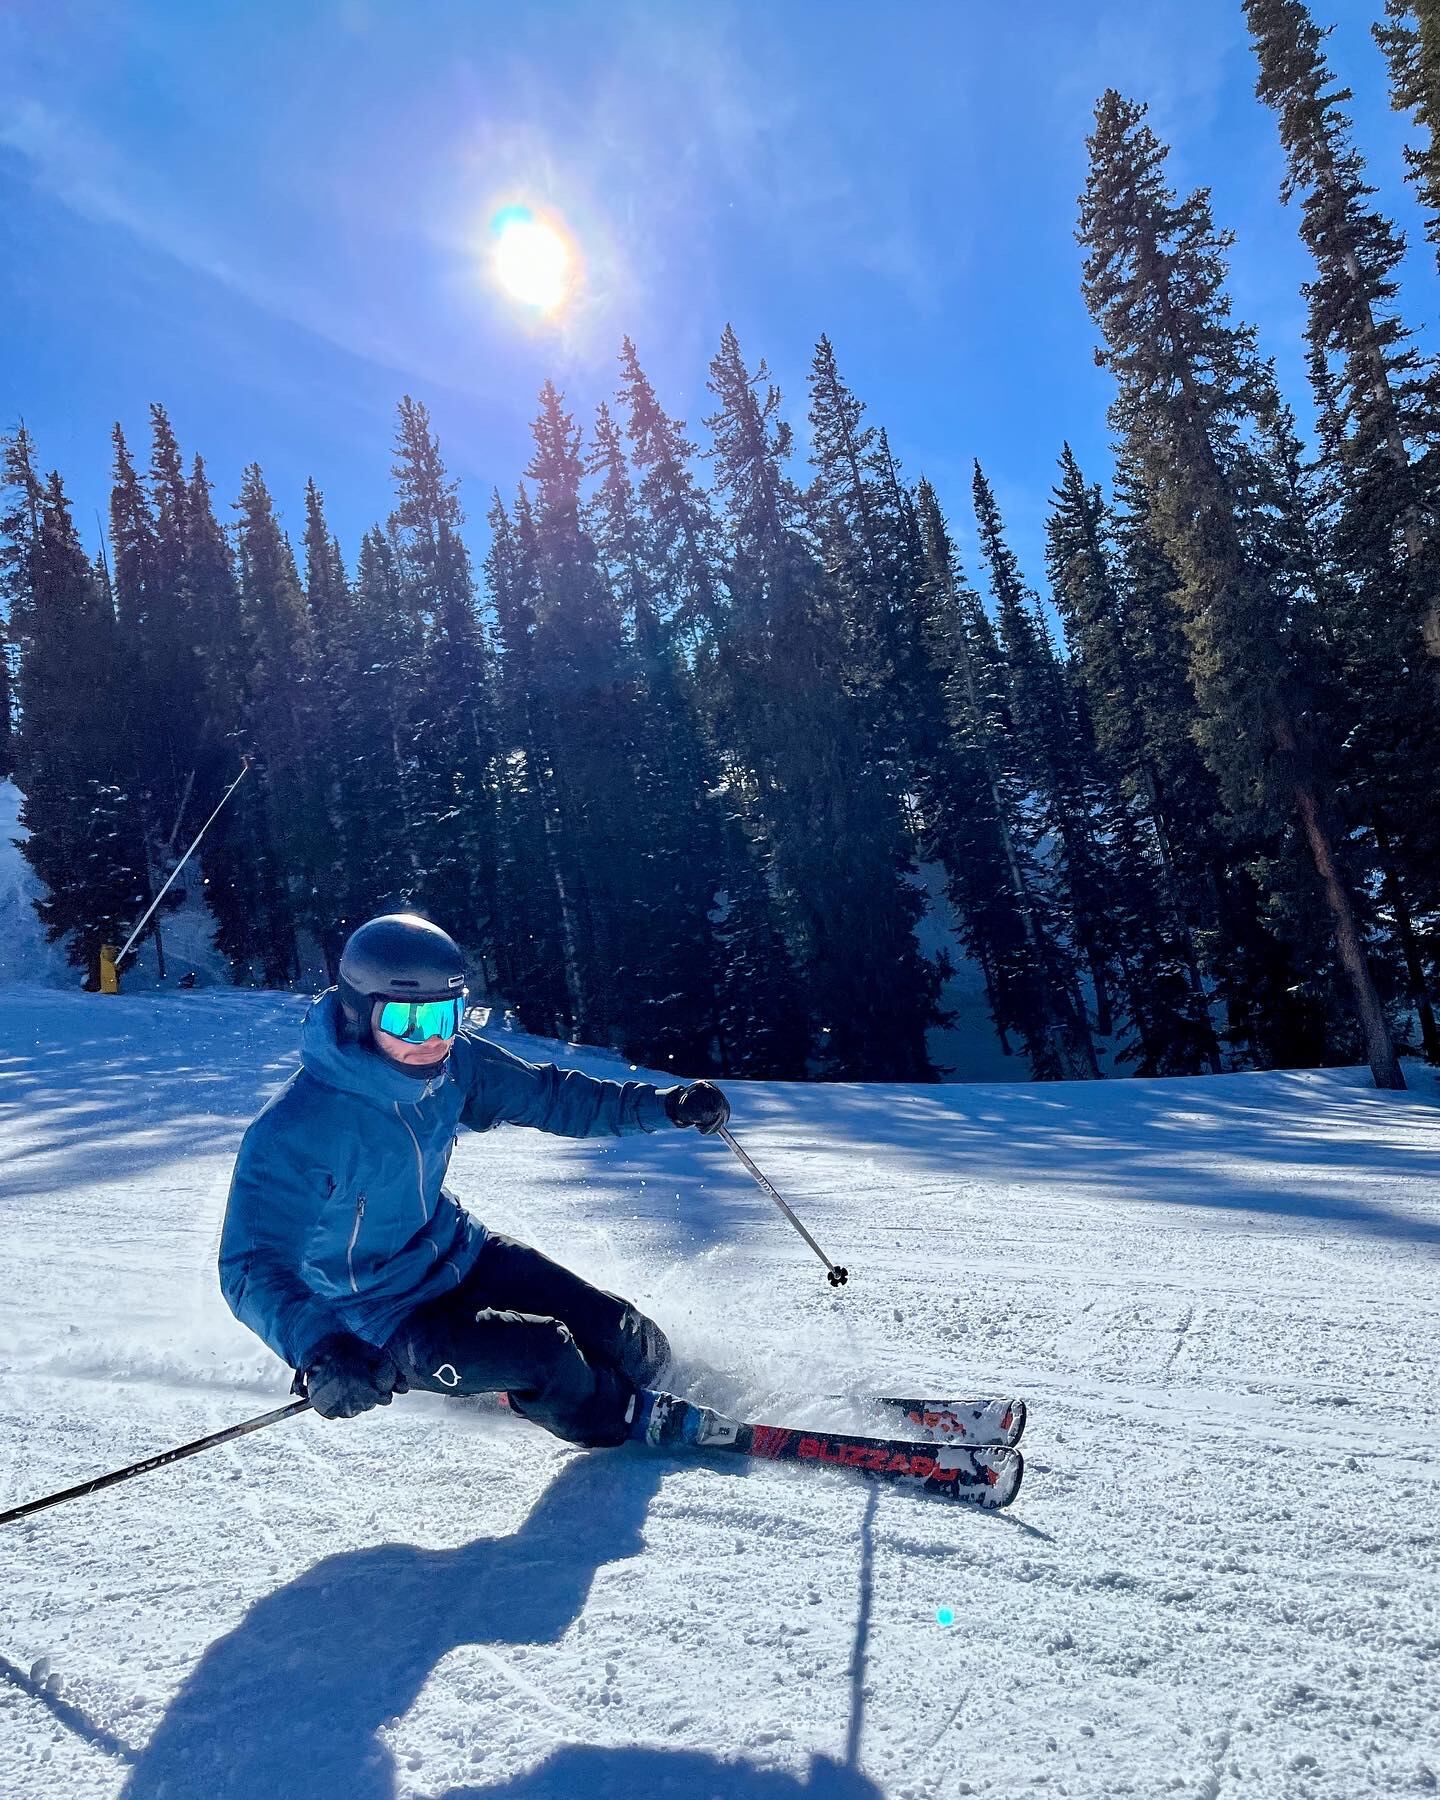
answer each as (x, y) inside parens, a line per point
(398, 956)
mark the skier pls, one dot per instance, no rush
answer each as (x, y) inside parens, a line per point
(346, 1254)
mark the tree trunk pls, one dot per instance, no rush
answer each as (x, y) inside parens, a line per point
(1405, 929)
(1159, 825)
(569, 933)
(1380, 1051)
(1384, 1065)
(991, 999)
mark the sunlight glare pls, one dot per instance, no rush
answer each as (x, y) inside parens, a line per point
(533, 262)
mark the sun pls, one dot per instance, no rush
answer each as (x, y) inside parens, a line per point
(532, 260)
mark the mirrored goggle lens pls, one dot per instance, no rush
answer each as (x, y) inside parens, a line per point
(416, 1020)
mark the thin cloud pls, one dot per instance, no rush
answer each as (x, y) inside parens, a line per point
(69, 161)
(1176, 58)
(776, 152)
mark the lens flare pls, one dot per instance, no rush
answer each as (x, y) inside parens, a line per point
(533, 261)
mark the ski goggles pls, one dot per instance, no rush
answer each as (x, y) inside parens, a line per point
(415, 1020)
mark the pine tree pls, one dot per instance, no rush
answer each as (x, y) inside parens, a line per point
(1044, 743)
(1376, 400)
(78, 810)
(164, 724)
(840, 855)
(620, 533)
(132, 541)
(327, 592)
(1251, 971)
(1154, 282)
(451, 722)
(673, 1003)
(134, 585)
(281, 726)
(221, 643)
(1167, 998)
(870, 543)
(590, 725)
(761, 1025)
(1374, 384)
(328, 606)
(1411, 42)
(684, 534)
(19, 549)
(534, 939)
(849, 528)
(993, 880)
(166, 643)
(7, 710)
(376, 694)
(244, 889)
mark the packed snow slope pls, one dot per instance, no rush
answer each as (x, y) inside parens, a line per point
(1222, 1577)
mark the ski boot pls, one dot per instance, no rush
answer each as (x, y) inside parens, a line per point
(659, 1419)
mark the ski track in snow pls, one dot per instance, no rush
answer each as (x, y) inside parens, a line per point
(1222, 1578)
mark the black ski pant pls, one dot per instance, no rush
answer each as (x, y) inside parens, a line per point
(569, 1356)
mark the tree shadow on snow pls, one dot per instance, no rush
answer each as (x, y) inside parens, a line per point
(130, 1086)
(134, 1084)
(1259, 1142)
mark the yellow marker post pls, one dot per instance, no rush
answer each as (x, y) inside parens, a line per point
(109, 974)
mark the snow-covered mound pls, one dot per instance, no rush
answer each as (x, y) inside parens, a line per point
(1222, 1577)
(24, 953)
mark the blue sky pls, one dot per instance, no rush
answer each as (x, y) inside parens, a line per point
(273, 219)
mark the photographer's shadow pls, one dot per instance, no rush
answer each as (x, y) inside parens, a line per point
(641, 1774)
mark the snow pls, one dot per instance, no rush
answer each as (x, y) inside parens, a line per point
(1221, 1579)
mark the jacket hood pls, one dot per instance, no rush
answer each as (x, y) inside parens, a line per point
(330, 1056)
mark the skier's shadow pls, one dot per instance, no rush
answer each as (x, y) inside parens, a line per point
(290, 1703)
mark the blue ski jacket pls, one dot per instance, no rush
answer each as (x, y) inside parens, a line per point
(338, 1218)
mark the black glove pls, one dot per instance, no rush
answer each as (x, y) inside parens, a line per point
(345, 1376)
(701, 1105)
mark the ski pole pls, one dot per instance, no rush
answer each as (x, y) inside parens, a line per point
(155, 1462)
(244, 771)
(835, 1275)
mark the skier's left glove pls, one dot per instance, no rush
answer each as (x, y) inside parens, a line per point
(701, 1104)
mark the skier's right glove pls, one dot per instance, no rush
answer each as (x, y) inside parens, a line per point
(346, 1376)
(701, 1104)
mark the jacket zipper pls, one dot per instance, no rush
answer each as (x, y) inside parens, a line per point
(350, 1248)
(419, 1164)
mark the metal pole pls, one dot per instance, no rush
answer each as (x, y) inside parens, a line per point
(835, 1275)
(155, 1462)
(244, 771)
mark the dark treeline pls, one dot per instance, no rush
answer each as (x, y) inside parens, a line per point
(670, 765)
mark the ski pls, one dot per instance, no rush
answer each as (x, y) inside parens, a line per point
(974, 1421)
(997, 1420)
(986, 1475)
